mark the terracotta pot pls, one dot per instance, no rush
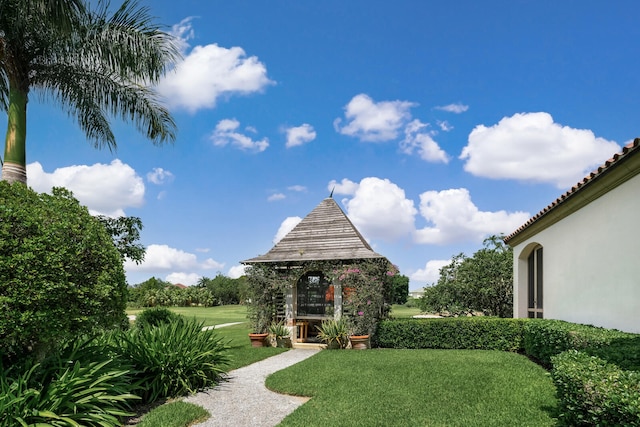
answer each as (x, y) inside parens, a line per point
(360, 342)
(258, 340)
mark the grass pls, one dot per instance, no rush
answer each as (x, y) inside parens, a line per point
(209, 315)
(418, 387)
(401, 312)
(174, 414)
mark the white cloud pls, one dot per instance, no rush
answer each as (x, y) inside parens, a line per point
(380, 210)
(226, 132)
(430, 273)
(453, 108)
(297, 188)
(104, 189)
(300, 135)
(455, 218)
(236, 271)
(346, 186)
(444, 126)
(418, 138)
(275, 197)
(187, 279)
(532, 147)
(287, 225)
(373, 121)
(159, 176)
(210, 72)
(163, 257)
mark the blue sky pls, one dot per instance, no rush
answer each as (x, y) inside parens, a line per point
(437, 123)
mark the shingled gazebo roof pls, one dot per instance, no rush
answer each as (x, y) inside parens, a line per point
(325, 234)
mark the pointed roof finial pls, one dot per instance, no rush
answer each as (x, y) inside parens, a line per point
(331, 195)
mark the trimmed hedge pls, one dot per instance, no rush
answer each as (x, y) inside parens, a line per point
(593, 392)
(546, 338)
(479, 333)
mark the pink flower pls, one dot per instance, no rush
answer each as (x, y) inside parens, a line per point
(369, 302)
(361, 313)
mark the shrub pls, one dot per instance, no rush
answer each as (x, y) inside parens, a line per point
(451, 333)
(334, 333)
(174, 358)
(81, 386)
(593, 392)
(544, 338)
(61, 273)
(156, 316)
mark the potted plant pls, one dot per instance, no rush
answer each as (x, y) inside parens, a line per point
(334, 333)
(281, 334)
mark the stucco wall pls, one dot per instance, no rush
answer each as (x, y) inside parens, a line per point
(591, 263)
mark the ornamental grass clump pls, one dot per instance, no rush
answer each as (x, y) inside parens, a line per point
(334, 333)
(174, 358)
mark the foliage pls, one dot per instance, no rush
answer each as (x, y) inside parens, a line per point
(225, 290)
(334, 333)
(156, 316)
(174, 414)
(399, 288)
(265, 285)
(174, 358)
(158, 293)
(595, 393)
(481, 283)
(389, 387)
(545, 338)
(279, 330)
(125, 232)
(91, 60)
(82, 385)
(452, 333)
(366, 293)
(62, 275)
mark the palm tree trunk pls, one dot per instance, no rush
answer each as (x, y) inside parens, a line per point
(14, 168)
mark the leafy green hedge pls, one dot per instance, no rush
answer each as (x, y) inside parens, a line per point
(593, 392)
(451, 333)
(544, 339)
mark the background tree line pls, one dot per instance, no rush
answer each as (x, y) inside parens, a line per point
(482, 283)
(221, 290)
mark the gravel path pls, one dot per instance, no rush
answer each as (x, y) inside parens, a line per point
(243, 400)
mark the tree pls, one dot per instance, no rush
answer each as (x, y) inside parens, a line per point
(60, 274)
(125, 232)
(224, 290)
(482, 283)
(92, 63)
(399, 288)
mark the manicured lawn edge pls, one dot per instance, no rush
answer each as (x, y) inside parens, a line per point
(606, 354)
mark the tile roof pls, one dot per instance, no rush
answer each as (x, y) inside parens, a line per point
(628, 150)
(325, 234)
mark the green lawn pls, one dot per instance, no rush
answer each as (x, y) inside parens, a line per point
(400, 311)
(418, 388)
(209, 315)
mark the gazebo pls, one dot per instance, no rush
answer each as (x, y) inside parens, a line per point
(303, 276)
